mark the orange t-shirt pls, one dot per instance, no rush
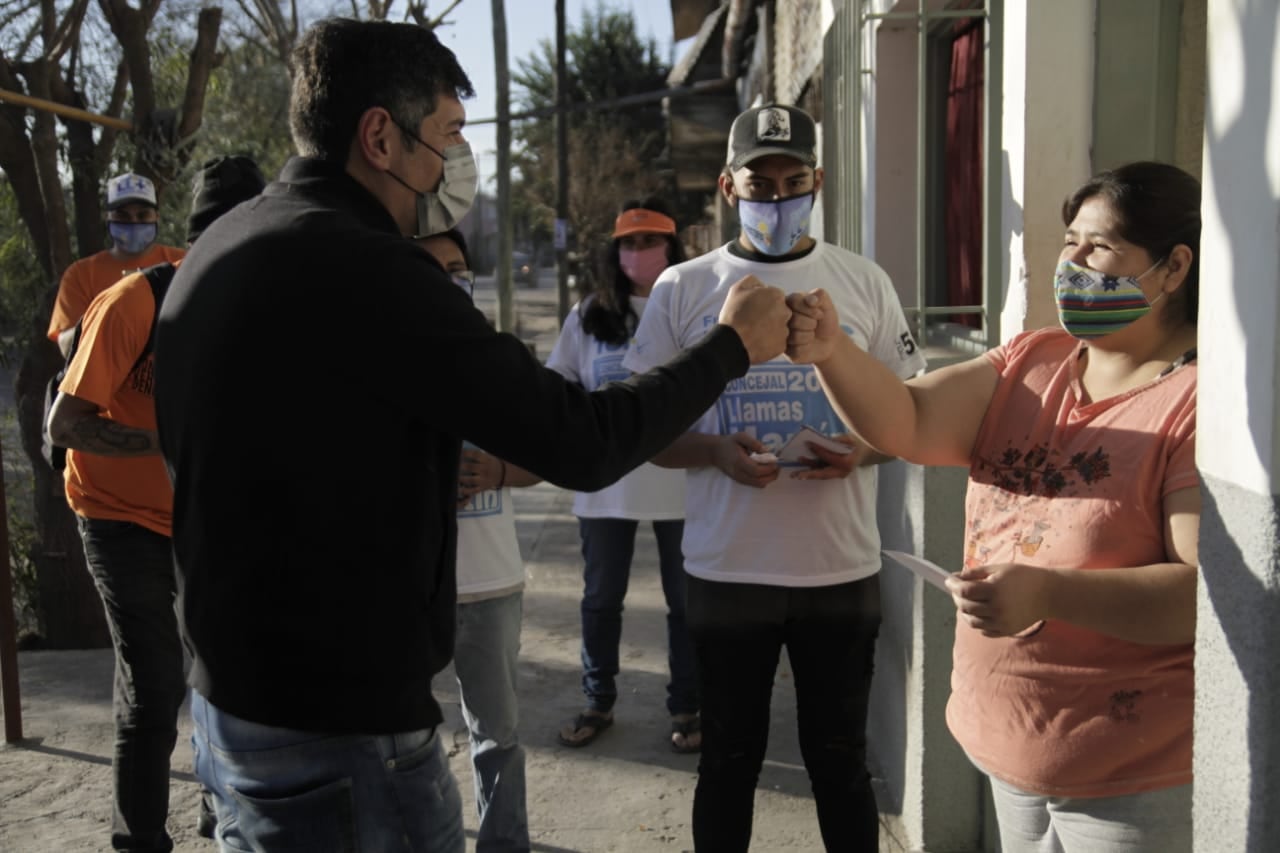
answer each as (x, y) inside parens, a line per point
(123, 488)
(1062, 710)
(88, 277)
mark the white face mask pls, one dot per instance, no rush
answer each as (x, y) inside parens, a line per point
(443, 209)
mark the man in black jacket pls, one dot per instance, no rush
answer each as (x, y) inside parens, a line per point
(315, 473)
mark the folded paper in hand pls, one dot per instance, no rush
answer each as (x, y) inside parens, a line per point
(797, 446)
(929, 572)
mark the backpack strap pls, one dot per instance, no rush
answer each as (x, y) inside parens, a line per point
(158, 277)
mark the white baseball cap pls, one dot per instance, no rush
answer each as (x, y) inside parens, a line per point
(130, 189)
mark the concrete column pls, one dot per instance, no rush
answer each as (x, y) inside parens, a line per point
(930, 796)
(1046, 127)
(1237, 734)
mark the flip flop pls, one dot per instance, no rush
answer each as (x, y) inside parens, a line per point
(685, 729)
(593, 723)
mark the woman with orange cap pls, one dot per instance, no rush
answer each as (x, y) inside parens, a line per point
(590, 350)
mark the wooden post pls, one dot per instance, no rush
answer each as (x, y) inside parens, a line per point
(65, 111)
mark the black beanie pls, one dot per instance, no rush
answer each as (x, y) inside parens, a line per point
(220, 185)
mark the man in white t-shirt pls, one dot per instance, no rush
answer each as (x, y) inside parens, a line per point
(778, 555)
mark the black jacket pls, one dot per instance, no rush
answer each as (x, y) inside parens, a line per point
(316, 372)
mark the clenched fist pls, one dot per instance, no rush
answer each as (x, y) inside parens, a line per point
(814, 325)
(759, 314)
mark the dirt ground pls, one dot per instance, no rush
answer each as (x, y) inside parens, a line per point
(625, 792)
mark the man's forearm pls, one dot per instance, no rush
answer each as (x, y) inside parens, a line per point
(104, 437)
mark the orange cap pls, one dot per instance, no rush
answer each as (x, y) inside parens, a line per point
(638, 220)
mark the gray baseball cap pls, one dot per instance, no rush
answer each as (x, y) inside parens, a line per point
(772, 129)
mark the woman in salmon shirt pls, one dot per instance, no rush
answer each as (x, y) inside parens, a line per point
(1072, 684)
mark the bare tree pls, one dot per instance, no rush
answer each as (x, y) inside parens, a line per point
(275, 25)
(45, 62)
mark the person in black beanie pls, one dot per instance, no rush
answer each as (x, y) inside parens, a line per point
(221, 184)
(117, 485)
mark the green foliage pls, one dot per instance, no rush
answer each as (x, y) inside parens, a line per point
(246, 112)
(23, 542)
(615, 152)
(23, 539)
(21, 279)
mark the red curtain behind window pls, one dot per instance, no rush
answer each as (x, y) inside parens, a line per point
(964, 171)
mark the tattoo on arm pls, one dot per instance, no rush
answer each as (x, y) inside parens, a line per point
(107, 438)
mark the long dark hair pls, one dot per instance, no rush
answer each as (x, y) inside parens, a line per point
(606, 314)
(1157, 207)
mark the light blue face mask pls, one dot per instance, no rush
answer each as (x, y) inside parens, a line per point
(774, 227)
(132, 238)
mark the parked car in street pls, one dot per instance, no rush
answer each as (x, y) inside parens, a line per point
(524, 269)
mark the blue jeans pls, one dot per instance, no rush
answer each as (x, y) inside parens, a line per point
(607, 547)
(738, 633)
(484, 658)
(132, 568)
(288, 791)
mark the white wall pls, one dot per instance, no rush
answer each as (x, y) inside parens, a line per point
(1047, 87)
(1237, 755)
(1242, 292)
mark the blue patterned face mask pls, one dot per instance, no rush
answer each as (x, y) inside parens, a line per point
(774, 227)
(132, 238)
(1092, 304)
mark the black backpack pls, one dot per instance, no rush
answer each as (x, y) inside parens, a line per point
(158, 277)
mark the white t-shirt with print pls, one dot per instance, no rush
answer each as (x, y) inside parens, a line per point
(488, 551)
(796, 533)
(649, 493)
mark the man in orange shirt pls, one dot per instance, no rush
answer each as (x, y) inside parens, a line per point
(118, 487)
(131, 221)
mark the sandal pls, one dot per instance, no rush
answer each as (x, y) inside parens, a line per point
(585, 728)
(686, 733)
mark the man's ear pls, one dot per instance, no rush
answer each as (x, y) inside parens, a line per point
(818, 176)
(727, 190)
(373, 144)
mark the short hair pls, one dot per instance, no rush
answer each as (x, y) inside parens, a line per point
(1157, 207)
(343, 67)
(458, 240)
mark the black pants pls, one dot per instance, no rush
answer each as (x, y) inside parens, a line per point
(133, 570)
(738, 632)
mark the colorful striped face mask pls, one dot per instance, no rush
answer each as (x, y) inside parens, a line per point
(1092, 304)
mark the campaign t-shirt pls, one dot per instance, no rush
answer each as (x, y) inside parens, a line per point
(1055, 482)
(797, 533)
(648, 493)
(488, 551)
(116, 327)
(88, 277)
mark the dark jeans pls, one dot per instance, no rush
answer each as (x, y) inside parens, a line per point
(607, 547)
(132, 568)
(738, 632)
